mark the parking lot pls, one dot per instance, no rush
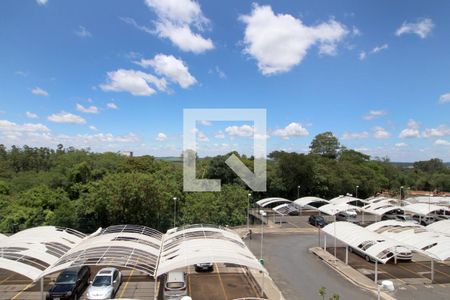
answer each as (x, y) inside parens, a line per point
(226, 282)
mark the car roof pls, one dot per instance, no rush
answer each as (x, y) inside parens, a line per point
(106, 271)
(176, 276)
(72, 270)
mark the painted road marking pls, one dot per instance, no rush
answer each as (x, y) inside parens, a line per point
(126, 283)
(20, 293)
(221, 282)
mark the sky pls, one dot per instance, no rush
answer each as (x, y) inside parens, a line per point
(116, 75)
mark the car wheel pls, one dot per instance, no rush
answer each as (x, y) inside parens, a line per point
(367, 258)
(350, 249)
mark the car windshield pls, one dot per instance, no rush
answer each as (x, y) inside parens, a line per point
(66, 278)
(102, 281)
(175, 285)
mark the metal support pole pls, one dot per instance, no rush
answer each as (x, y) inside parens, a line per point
(376, 271)
(432, 270)
(318, 232)
(42, 288)
(262, 285)
(174, 211)
(346, 254)
(362, 217)
(325, 242)
(335, 257)
(248, 212)
(379, 291)
(155, 290)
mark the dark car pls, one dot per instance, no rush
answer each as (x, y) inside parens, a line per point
(425, 220)
(70, 284)
(208, 267)
(317, 221)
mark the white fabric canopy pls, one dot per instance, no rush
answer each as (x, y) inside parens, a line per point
(442, 226)
(305, 202)
(332, 209)
(349, 200)
(380, 247)
(381, 208)
(424, 209)
(268, 201)
(285, 209)
(417, 237)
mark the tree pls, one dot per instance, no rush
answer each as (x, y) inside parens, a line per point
(325, 144)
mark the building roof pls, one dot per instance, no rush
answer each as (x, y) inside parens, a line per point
(376, 246)
(424, 209)
(305, 202)
(268, 201)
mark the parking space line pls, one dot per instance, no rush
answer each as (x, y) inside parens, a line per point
(189, 280)
(20, 293)
(445, 274)
(6, 279)
(126, 283)
(248, 279)
(221, 282)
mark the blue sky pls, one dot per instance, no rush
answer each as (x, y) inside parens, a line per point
(116, 75)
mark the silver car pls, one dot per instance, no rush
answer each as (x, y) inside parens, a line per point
(105, 284)
(175, 286)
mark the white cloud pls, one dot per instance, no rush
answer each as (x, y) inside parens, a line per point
(88, 110)
(422, 28)
(444, 98)
(205, 123)
(93, 128)
(11, 127)
(379, 48)
(161, 137)
(412, 131)
(176, 20)
(441, 142)
(65, 117)
(82, 32)
(170, 67)
(280, 41)
(39, 92)
(373, 114)
(293, 129)
(135, 82)
(362, 55)
(218, 71)
(31, 115)
(355, 135)
(41, 2)
(244, 130)
(441, 130)
(401, 145)
(111, 105)
(202, 137)
(219, 135)
(380, 133)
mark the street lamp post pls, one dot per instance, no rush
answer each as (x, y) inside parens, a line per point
(263, 214)
(356, 191)
(174, 211)
(401, 195)
(298, 191)
(248, 211)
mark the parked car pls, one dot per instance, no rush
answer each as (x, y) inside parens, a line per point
(70, 284)
(317, 221)
(348, 216)
(105, 284)
(425, 220)
(204, 267)
(175, 286)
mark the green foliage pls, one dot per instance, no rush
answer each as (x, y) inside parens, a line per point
(325, 144)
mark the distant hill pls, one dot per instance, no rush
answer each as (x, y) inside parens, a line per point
(170, 158)
(411, 164)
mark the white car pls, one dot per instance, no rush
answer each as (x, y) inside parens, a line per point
(105, 284)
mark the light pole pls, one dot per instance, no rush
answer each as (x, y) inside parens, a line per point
(248, 211)
(174, 211)
(263, 214)
(356, 191)
(401, 195)
(298, 191)
(334, 229)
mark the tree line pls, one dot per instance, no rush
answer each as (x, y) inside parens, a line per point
(84, 190)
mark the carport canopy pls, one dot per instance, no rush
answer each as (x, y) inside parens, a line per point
(381, 208)
(333, 209)
(310, 202)
(349, 200)
(368, 242)
(269, 201)
(417, 237)
(30, 252)
(423, 209)
(40, 251)
(442, 226)
(285, 209)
